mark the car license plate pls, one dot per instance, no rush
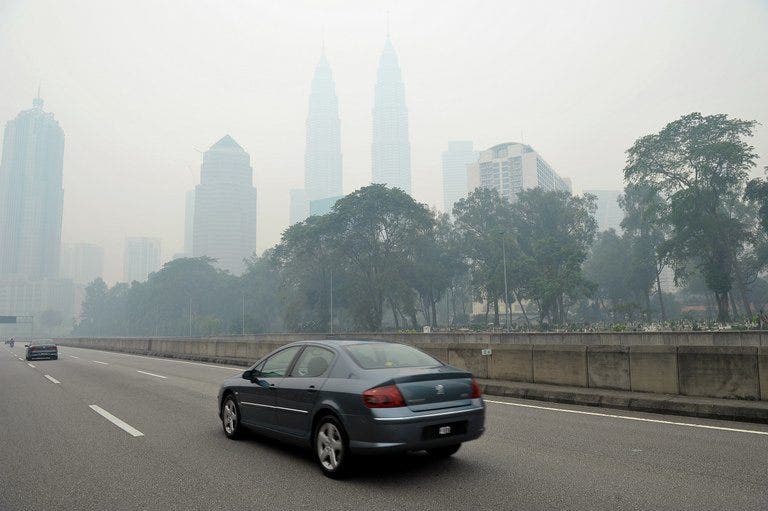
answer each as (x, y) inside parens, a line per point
(444, 430)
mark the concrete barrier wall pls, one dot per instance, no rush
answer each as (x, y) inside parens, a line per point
(737, 372)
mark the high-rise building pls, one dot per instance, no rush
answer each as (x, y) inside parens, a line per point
(322, 206)
(189, 221)
(299, 206)
(322, 158)
(609, 214)
(224, 226)
(391, 148)
(82, 262)
(31, 194)
(142, 257)
(455, 161)
(511, 168)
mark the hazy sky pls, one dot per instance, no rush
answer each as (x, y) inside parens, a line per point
(140, 86)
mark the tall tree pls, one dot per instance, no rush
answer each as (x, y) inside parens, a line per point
(554, 233)
(699, 165)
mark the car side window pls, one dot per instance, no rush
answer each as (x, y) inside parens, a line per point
(313, 362)
(277, 365)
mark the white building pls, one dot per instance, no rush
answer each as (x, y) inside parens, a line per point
(224, 226)
(609, 214)
(31, 194)
(322, 157)
(455, 161)
(511, 168)
(391, 148)
(82, 262)
(142, 257)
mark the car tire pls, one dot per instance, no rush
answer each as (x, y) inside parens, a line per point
(230, 418)
(331, 447)
(444, 452)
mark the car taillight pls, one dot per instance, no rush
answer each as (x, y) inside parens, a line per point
(383, 397)
(476, 392)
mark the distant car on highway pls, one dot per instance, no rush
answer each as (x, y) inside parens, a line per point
(345, 398)
(42, 349)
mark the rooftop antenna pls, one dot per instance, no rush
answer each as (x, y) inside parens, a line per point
(38, 102)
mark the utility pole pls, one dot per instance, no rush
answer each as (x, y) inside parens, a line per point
(243, 313)
(331, 300)
(190, 316)
(506, 292)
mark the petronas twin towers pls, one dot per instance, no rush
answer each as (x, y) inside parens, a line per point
(391, 148)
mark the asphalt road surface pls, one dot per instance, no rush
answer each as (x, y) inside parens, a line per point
(110, 431)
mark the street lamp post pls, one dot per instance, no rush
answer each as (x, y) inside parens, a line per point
(506, 291)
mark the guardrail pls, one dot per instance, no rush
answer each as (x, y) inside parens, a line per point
(730, 371)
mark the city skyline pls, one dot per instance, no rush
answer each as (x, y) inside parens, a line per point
(134, 134)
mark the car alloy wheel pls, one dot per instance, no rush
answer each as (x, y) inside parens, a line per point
(230, 418)
(331, 448)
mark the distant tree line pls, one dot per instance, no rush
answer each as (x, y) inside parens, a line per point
(380, 260)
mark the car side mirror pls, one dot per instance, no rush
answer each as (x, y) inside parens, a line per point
(26, 345)
(247, 375)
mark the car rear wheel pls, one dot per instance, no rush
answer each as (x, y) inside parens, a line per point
(230, 418)
(332, 447)
(444, 452)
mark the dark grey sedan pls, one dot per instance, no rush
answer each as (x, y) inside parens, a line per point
(344, 398)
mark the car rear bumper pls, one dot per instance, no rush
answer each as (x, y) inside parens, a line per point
(414, 432)
(43, 354)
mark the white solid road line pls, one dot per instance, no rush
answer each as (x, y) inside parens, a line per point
(102, 363)
(72, 356)
(51, 378)
(30, 365)
(152, 374)
(630, 418)
(117, 422)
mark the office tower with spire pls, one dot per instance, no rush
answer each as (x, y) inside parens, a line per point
(391, 148)
(31, 194)
(224, 225)
(322, 159)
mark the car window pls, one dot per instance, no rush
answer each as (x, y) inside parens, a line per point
(277, 365)
(313, 362)
(379, 355)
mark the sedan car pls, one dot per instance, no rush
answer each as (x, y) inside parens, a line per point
(42, 349)
(344, 398)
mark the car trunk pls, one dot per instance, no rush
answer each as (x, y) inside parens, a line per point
(435, 390)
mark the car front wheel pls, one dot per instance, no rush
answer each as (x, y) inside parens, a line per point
(230, 418)
(444, 452)
(332, 448)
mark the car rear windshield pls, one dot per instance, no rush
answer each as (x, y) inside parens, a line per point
(384, 355)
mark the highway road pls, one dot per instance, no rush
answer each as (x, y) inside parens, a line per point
(108, 431)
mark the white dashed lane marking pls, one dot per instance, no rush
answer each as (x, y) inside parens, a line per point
(117, 422)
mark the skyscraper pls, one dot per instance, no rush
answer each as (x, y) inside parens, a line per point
(391, 148)
(142, 257)
(609, 214)
(225, 207)
(189, 221)
(298, 207)
(31, 194)
(455, 161)
(82, 262)
(511, 168)
(322, 159)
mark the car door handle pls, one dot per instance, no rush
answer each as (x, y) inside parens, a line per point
(311, 388)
